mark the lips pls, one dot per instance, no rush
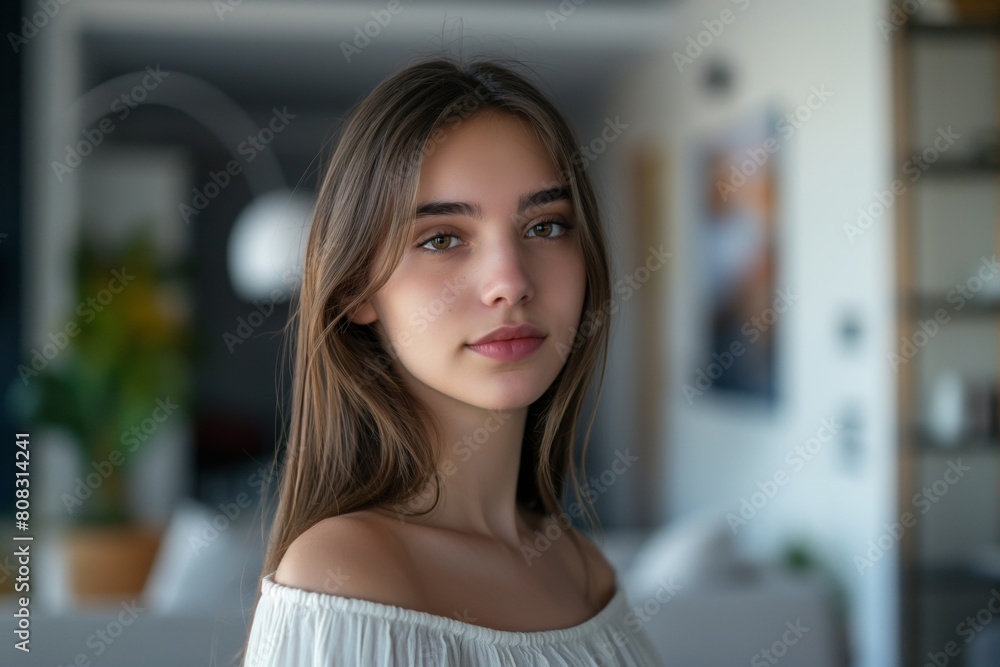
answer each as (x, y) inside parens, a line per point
(510, 332)
(514, 349)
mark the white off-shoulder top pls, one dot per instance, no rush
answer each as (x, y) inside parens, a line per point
(298, 628)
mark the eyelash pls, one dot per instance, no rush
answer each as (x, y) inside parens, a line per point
(567, 226)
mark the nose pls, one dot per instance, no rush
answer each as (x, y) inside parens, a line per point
(504, 270)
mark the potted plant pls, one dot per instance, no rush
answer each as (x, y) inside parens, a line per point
(125, 366)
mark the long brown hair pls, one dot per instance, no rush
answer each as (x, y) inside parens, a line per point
(356, 439)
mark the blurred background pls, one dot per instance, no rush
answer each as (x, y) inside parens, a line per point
(795, 453)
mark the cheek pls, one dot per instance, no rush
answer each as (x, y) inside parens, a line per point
(565, 285)
(570, 274)
(413, 304)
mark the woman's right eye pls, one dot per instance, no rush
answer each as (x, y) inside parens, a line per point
(433, 241)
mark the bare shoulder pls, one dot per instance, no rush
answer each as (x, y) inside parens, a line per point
(353, 556)
(599, 570)
(602, 574)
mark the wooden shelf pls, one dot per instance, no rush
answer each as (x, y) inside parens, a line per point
(923, 584)
(968, 445)
(959, 29)
(955, 577)
(926, 306)
(968, 442)
(945, 168)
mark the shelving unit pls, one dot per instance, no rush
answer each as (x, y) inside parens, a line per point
(945, 221)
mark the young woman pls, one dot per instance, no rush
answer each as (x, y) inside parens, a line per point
(453, 307)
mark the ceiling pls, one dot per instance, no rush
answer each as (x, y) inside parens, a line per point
(260, 52)
(263, 55)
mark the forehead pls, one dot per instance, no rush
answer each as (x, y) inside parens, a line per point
(493, 152)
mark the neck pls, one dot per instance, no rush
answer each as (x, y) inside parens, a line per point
(478, 453)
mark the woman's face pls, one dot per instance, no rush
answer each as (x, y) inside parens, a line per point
(480, 256)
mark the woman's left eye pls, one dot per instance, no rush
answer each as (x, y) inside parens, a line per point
(548, 223)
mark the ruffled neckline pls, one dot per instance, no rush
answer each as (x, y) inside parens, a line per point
(316, 600)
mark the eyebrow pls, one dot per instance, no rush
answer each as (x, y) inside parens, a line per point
(530, 200)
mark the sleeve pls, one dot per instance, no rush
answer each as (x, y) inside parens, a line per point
(287, 634)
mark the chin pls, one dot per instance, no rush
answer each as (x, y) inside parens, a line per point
(513, 398)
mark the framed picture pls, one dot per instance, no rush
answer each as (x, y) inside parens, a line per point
(737, 211)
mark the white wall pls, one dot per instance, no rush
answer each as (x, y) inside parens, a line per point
(718, 450)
